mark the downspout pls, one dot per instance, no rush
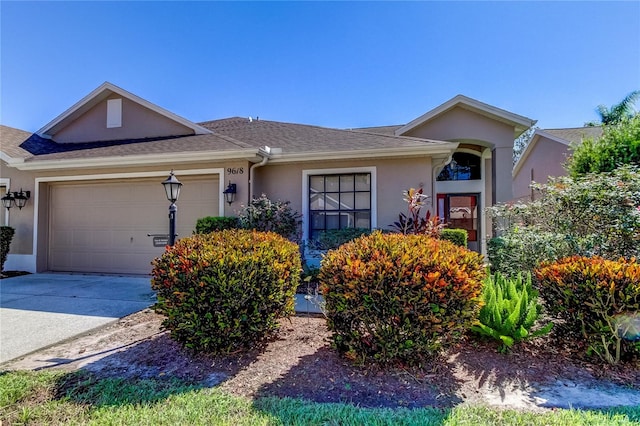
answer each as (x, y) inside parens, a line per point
(265, 159)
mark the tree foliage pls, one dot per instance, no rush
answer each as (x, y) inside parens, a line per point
(618, 145)
(618, 112)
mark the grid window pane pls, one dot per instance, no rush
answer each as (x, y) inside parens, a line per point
(339, 201)
(347, 220)
(363, 200)
(347, 183)
(332, 201)
(332, 183)
(317, 220)
(363, 182)
(346, 201)
(333, 221)
(363, 220)
(316, 201)
(316, 183)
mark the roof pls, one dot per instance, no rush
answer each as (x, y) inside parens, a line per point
(299, 141)
(382, 130)
(566, 137)
(101, 93)
(10, 140)
(519, 122)
(576, 134)
(227, 138)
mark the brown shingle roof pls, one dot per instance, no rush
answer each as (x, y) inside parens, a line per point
(383, 130)
(297, 138)
(231, 134)
(10, 140)
(576, 134)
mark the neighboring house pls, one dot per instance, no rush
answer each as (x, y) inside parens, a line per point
(545, 156)
(95, 173)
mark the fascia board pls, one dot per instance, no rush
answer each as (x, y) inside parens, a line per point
(537, 135)
(139, 160)
(443, 149)
(10, 160)
(516, 120)
(43, 132)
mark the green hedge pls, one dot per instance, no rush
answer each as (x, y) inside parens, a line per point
(6, 235)
(456, 236)
(208, 224)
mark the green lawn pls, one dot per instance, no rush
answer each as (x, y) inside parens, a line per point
(76, 398)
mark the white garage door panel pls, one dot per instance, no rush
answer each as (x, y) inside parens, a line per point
(103, 226)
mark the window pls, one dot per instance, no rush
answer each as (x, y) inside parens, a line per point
(339, 201)
(463, 166)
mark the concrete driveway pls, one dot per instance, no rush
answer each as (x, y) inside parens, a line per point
(39, 310)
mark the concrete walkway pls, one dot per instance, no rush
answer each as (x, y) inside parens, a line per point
(39, 310)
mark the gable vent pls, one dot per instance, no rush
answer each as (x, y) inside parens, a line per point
(114, 113)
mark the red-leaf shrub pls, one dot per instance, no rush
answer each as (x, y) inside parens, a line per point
(399, 298)
(226, 290)
(591, 295)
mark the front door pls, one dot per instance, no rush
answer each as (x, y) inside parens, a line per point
(461, 211)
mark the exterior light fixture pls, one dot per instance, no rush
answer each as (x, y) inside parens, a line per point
(172, 189)
(16, 199)
(230, 193)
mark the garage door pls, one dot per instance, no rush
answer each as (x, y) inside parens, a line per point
(104, 226)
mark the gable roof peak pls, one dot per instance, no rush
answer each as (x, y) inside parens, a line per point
(519, 122)
(99, 94)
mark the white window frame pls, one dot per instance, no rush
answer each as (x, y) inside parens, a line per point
(321, 172)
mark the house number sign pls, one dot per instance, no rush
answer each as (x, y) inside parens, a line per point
(235, 170)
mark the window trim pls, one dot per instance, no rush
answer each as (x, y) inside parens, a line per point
(306, 217)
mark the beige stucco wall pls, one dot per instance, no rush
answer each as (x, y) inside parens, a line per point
(137, 122)
(284, 182)
(545, 159)
(462, 125)
(20, 220)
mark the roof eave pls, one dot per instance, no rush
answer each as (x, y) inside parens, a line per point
(521, 123)
(446, 148)
(139, 160)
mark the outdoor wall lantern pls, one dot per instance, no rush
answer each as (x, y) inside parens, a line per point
(172, 188)
(230, 193)
(16, 199)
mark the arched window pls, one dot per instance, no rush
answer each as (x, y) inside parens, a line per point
(463, 166)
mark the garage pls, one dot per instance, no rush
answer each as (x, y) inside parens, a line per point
(104, 226)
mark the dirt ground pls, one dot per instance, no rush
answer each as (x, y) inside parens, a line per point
(301, 363)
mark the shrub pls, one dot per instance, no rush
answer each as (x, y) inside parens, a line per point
(412, 222)
(208, 224)
(395, 298)
(590, 295)
(262, 214)
(510, 310)
(593, 215)
(456, 236)
(521, 250)
(6, 235)
(334, 238)
(225, 291)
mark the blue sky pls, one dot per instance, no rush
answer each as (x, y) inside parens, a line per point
(334, 64)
